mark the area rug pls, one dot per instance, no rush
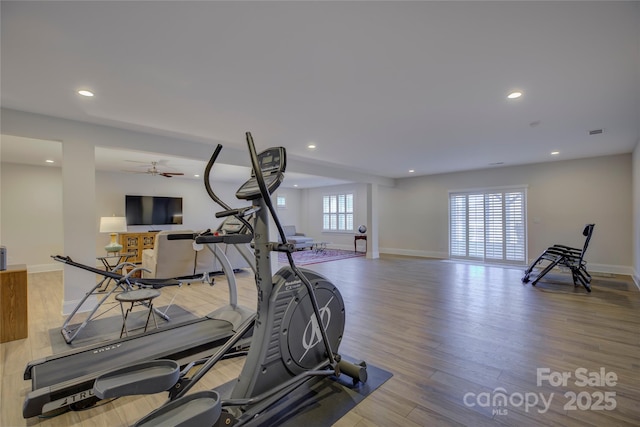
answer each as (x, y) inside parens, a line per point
(312, 257)
(108, 328)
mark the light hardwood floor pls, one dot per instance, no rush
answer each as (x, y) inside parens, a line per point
(454, 335)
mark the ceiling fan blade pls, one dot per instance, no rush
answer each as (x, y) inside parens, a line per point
(171, 174)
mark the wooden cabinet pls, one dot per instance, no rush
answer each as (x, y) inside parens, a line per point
(136, 243)
(14, 323)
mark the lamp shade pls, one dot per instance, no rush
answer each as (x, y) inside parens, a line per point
(113, 224)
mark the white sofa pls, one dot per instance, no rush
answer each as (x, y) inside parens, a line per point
(178, 258)
(299, 240)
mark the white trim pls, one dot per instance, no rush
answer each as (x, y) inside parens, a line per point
(594, 269)
(483, 189)
(414, 253)
(625, 270)
(42, 268)
(636, 278)
(69, 306)
(372, 255)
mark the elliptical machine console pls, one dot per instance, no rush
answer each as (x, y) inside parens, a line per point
(273, 163)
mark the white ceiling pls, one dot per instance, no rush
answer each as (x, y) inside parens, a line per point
(382, 87)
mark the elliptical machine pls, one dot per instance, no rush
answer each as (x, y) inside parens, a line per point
(296, 331)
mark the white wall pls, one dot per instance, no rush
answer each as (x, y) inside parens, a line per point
(198, 209)
(311, 213)
(562, 197)
(291, 214)
(413, 216)
(31, 219)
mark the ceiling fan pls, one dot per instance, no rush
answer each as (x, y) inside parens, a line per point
(152, 169)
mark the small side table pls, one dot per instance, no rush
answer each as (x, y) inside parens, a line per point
(117, 259)
(355, 240)
(137, 297)
(110, 263)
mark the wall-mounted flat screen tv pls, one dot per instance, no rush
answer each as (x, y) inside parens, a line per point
(153, 210)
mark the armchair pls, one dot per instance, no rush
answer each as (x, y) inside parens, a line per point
(169, 258)
(178, 258)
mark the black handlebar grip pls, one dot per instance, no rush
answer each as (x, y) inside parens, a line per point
(230, 212)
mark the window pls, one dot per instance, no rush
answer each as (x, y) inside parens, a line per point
(281, 202)
(489, 225)
(337, 212)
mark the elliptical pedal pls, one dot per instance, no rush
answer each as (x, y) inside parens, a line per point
(197, 409)
(141, 378)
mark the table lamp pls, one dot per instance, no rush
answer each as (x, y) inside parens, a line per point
(113, 225)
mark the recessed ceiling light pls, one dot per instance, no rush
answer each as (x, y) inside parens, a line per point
(515, 94)
(85, 93)
(49, 161)
(196, 176)
(311, 146)
(554, 153)
(295, 185)
(411, 170)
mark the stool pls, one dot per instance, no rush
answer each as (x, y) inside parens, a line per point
(137, 297)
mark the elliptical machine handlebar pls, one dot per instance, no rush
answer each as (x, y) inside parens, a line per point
(248, 211)
(207, 174)
(228, 210)
(263, 186)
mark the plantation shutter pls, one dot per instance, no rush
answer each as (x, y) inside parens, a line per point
(488, 225)
(337, 212)
(458, 225)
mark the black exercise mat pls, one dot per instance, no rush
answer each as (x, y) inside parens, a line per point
(320, 402)
(108, 328)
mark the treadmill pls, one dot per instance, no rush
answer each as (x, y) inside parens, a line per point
(66, 379)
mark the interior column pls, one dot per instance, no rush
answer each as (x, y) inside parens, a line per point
(78, 218)
(372, 221)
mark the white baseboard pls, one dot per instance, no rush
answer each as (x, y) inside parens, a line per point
(415, 253)
(42, 268)
(68, 306)
(591, 267)
(624, 270)
(396, 251)
(373, 255)
(636, 279)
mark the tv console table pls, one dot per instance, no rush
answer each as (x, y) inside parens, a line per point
(135, 243)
